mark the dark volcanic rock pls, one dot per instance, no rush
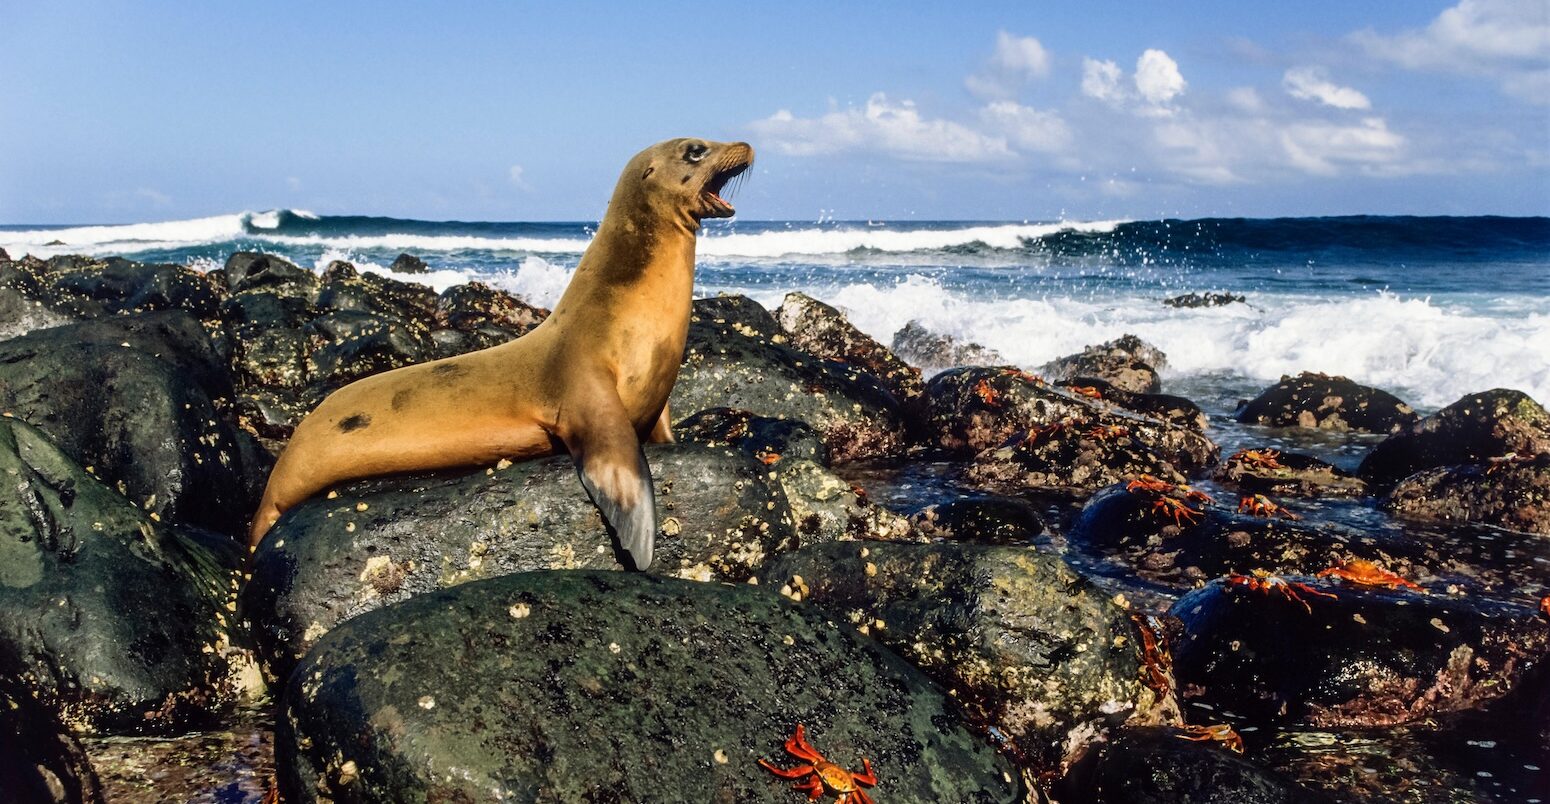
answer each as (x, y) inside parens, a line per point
(408, 264)
(1161, 765)
(1194, 300)
(981, 520)
(1165, 407)
(932, 352)
(85, 287)
(825, 507)
(596, 686)
(734, 364)
(1509, 493)
(139, 400)
(1149, 531)
(1362, 658)
(1474, 429)
(250, 270)
(818, 329)
(1128, 363)
(970, 410)
(117, 620)
(477, 307)
(40, 761)
(1327, 403)
(1268, 471)
(1027, 645)
(760, 437)
(385, 540)
(1075, 456)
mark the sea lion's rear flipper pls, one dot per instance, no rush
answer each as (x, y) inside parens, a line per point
(614, 472)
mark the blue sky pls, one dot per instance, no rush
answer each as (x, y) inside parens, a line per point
(115, 112)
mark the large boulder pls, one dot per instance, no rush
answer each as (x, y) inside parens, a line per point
(1327, 403)
(1335, 654)
(1160, 765)
(970, 410)
(818, 329)
(763, 438)
(1165, 407)
(87, 287)
(1032, 649)
(730, 361)
(376, 542)
(600, 686)
(1269, 471)
(1074, 456)
(1509, 493)
(142, 402)
(1127, 362)
(932, 352)
(981, 520)
(1492, 424)
(118, 621)
(41, 762)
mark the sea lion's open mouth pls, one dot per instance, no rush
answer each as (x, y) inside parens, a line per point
(738, 159)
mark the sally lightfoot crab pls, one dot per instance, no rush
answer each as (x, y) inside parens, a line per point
(1221, 733)
(1260, 505)
(1181, 513)
(819, 776)
(1263, 582)
(1257, 458)
(1366, 573)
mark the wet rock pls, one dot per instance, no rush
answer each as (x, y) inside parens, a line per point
(981, 520)
(352, 345)
(1197, 300)
(1342, 655)
(1179, 538)
(117, 620)
(932, 352)
(384, 540)
(344, 290)
(1027, 645)
(1327, 403)
(1160, 765)
(827, 508)
(477, 308)
(1268, 471)
(20, 313)
(734, 364)
(744, 315)
(249, 270)
(970, 410)
(597, 686)
(762, 438)
(818, 329)
(84, 287)
(1074, 456)
(1509, 493)
(265, 330)
(1474, 429)
(140, 400)
(1128, 363)
(1164, 407)
(41, 762)
(409, 264)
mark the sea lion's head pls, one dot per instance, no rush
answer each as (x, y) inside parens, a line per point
(684, 175)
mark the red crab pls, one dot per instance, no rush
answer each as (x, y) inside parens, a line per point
(1108, 432)
(821, 776)
(1089, 391)
(1149, 483)
(1263, 582)
(1544, 606)
(1258, 458)
(1260, 505)
(1155, 659)
(1362, 572)
(1191, 495)
(1168, 507)
(990, 396)
(1023, 375)
(1222, 733)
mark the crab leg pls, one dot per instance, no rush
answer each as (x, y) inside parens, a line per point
(799, 748)
(794, 773)
(865, 776)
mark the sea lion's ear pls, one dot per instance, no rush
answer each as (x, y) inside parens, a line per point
(648, 173)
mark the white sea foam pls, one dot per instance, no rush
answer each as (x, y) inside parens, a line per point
(124, 238)
(1428, 352)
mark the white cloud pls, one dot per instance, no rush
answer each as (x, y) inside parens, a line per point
(894, 128)
(1507, 40)
(1321, 148)
(1245, 99)
(1026, 128)
(1158, 78)
(1100, 79)
(515, 173)
(1310, 84)
(154, 196)
(1016, 62)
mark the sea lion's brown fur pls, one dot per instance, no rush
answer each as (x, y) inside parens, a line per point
(592, 380)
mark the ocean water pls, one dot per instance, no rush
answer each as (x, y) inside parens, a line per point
(1429, 308)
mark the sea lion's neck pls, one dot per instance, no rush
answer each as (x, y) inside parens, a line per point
(650, 255)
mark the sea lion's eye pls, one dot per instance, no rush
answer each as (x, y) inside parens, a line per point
(696, 152)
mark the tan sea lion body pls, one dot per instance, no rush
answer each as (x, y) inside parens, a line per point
(592, 380)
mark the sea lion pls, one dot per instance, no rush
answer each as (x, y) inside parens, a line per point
(592, 380)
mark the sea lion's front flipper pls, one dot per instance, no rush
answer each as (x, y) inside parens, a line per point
(614, 472)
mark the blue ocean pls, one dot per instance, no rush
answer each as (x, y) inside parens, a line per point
(1428, 308)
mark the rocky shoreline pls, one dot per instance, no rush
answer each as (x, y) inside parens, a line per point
(993, 584)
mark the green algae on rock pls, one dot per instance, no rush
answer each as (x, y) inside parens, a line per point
(611, 686)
